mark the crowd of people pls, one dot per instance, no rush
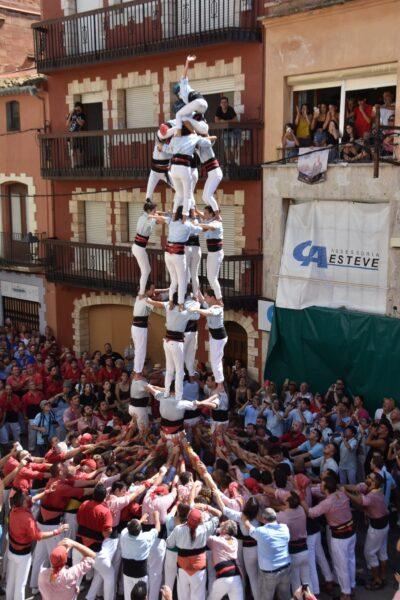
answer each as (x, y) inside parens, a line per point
(319, 128)
(102, 494)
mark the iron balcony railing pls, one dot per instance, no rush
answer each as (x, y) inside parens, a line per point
(113, 268)
(126, 153)
(22, 250)
(143, 27)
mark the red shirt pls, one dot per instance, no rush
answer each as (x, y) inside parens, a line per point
(52, 386)
(295, 439)
(106, 374)
(11, 406)
(95, 517)
(53, 505)
(72, 374)
(15, 382)
(53, 456)
(22, 529)
(11, 464)
(36, 378)
(360, 124)
(31, 403)
(24, 479)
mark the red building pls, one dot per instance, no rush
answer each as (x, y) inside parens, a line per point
(121, 60)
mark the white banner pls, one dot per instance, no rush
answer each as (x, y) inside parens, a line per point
(20, 291)
(312, 165)
(335, 255)
(265, 314)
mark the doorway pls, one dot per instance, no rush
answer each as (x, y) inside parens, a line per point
(109, 323)
(236, 348)
(94, 154)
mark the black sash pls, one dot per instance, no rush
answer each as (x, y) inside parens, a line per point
(342, 532)
(182, 159)
(175, 336)
(134, 568)
(193, 240)
(23, 551)
(226, 568)
(218, 334)
(192, 552)
(140, 322)
(167, 423)
(160, 166)
(220, 416)
(191, 414)
(213, 245)
(140, 402)
(296, 546)
(191, 326)
(379, 523)
(90, 533)
(194, 96)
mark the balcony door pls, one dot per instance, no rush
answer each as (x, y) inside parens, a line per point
(94, 259)
(15, 220)
(85, 34)
(197, 16)
(94, 146)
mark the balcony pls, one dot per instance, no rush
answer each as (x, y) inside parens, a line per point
(114, 269)
(143, 27)
(126, 153)
(22, 252)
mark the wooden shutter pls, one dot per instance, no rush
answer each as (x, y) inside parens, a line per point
(139, 107)
(134, 212)
(96, 232)
(87, 5)
(16, 214)
(214, 85)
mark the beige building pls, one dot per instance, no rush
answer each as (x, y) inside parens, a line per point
(328, 52)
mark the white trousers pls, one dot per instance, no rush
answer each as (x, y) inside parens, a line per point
(343, 554)
(170, 568)
(129, 584)
(176, 265)
(229, 586)
(189, 351)
(299, 570)
(214, 262)
(17, 575)
(216, 358)
(144, 265)
(139, 337)
(153, 181)
(192, 587)
(155, 568)
(375, 547)
(195, 178)
(250, 561)
(199, 105)
(70, 519)
(212, 182)
(41, 555)
(174, 366)
(193, 260)
(183, 185)
(104, 573)
(316, 555)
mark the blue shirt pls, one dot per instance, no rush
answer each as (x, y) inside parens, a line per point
(315, 451)
(48, 421)
(250, 414)
(274, 423)
(273, 545)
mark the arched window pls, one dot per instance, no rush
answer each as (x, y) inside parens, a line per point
(12, 113)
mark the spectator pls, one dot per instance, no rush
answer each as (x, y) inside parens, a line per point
(387, 109)
(390, 137)
(349, 149)
(225, 112)
(303, 125)
(332, 115)
(332, 139)
(350, 108)
(243, 393)
(290, 143)
(45, 425)
(319, 116)
(76, 122)
(362, 118)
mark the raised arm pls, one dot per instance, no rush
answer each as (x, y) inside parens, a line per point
(191, 58)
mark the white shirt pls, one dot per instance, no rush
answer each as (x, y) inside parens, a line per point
(137, 547)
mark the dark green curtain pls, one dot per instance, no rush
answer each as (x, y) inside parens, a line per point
(319, 345)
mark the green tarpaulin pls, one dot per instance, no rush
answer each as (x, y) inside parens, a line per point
(319, 345)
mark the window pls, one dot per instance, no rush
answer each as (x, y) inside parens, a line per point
(139, 107)
(13, 119)
(17, 211)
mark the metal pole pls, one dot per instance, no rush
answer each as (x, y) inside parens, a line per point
(377, 140)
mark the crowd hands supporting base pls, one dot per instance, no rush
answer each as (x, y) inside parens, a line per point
(128, 491)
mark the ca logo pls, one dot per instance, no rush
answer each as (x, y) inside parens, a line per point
(316, 254)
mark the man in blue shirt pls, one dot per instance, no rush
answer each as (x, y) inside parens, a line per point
(273, 556)
(45, 426)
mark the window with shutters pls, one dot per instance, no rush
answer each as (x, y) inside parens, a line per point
(96, 214)
(212, 90)
(13, 116)
(16, 211)
(139, 107)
